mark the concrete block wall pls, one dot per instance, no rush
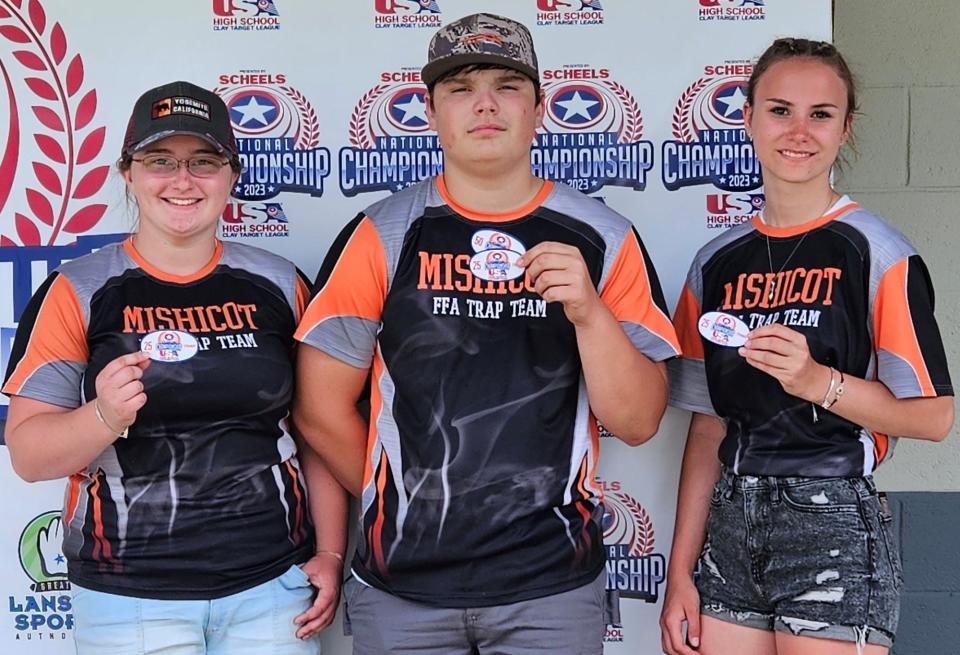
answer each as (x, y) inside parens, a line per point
(928, 525)
(906, 56)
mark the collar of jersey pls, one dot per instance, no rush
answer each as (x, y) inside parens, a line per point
(843, 205)
(520, 212)
(153, 271)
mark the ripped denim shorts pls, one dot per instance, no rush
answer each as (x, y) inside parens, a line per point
(814, 557)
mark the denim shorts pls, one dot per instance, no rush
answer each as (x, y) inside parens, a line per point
(256, 621)
(814, 557)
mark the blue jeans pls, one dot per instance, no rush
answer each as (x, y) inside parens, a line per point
(257, 621)
(813, 557)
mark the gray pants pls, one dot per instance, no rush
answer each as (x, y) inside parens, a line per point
(568, 623)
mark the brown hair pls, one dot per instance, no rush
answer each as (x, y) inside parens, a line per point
(826, 53)
(470, 68)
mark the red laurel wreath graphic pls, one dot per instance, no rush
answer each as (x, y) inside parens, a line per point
(632, 118)
(359, 130)
(55, 86)
(682, 129)
(645, 533)
(11, 153)
(309, 136)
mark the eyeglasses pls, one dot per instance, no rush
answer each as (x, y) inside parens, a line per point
(167, 166)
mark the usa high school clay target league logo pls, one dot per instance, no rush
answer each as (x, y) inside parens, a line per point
(406, 14)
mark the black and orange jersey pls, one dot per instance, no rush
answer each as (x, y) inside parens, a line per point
(480, 481)
(859, 292)
(206, 496)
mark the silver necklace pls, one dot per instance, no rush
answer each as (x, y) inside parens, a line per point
(773, 282)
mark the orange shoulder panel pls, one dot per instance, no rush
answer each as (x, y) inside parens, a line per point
(893, 324)
(58, 334)
(627, 293)
(357, 286)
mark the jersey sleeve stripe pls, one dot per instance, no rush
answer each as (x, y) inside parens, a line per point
(339, 296)
(903, 369)
(688, 386)
(101, 547)
(688, 376)
(632, 293)
(56, 351)
(376, 530)
(685, 320)
(881, 446)
(376, 409)
(72, 497)
(298, 511)
(352, 293)
(302, 296)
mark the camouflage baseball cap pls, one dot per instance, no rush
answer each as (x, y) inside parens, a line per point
(480, 39)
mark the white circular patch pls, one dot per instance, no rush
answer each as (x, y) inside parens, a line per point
(169, 346)
(496, 240)
(496, 265)
(723, 329)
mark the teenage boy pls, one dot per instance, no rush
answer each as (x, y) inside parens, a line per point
(498, 316)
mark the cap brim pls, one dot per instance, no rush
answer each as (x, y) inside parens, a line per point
(153, 138)
(435, 69)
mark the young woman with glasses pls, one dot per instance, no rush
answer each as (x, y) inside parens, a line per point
(809, 344)
(156, 374)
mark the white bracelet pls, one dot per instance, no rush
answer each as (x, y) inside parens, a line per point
(826, 396)
(837, 394)
(331, 553)
(120, 434)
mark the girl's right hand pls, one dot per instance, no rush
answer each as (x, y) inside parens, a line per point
(120, 392)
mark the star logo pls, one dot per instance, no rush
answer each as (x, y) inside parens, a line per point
(253, 111)
(577, 106)
(729, 102)
(409, 109)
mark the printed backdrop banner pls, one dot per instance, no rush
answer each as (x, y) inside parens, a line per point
(643, 111)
